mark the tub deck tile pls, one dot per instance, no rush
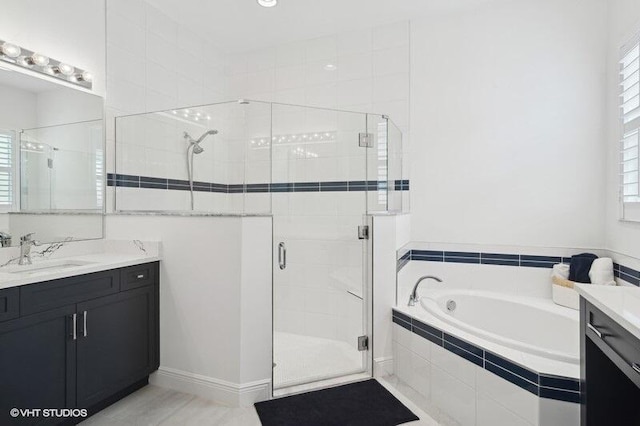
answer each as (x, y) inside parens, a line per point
(560, 395)
(464, 345)
(543, 385)
(511, 377)
(464, 354)
(512, 367)
(431, 337)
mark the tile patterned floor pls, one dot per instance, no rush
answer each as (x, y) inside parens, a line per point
(152, 405)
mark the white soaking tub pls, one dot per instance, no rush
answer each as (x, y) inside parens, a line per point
(532, 325)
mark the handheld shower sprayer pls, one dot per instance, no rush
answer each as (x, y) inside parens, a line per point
(194, 148)
(195, 143)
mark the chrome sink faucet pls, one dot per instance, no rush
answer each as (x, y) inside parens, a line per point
(414, 298)
(26, 242)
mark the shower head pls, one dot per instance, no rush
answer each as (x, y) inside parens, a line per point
(195, 143)
(205, 134)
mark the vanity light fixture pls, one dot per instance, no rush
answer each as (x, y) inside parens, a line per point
(37, 62)
(267, 3)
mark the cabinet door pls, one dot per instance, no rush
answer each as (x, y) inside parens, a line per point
(116, 343)
(37, 363)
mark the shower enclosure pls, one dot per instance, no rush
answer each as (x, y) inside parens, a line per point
(320, 173)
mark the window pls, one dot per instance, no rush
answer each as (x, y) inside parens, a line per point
(630, 132)
(6, 169)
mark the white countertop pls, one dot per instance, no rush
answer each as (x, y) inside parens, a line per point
(101, 257)
(620, 303)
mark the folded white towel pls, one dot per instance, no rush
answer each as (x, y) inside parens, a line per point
(601, 271)
(561, 270)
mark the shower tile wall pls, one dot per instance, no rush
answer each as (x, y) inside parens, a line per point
(364, 70)
(152, 146)
(154, 63)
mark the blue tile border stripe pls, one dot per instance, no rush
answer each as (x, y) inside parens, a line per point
(543, 385)
(131, 181)
(625, 273)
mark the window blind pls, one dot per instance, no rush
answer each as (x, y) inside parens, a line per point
(6, 173)
(630, 114)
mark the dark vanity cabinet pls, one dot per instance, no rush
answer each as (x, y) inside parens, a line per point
(609, 370)
(78, 342)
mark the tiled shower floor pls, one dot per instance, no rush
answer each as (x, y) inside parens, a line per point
(301, 359)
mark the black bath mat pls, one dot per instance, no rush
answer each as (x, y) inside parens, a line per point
(365, 403)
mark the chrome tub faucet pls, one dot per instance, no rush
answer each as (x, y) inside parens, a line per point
(414, 298)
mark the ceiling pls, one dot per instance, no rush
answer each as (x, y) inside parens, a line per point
(241, 25)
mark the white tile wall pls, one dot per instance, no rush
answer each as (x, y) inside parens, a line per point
(157, 64)
(468, 393)
(153, 63)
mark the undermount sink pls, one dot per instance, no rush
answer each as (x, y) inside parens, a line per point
(44, 267)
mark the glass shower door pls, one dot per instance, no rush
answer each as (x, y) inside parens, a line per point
(319, 189)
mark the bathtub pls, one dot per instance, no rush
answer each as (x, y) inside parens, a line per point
(531, 325)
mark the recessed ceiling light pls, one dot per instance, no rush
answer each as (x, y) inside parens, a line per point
(330, 67)
(267, 3)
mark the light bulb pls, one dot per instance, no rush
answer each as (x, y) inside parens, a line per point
(11, 50)
(24, 62)
(49, 70)
(66, 69)
(72, 79)
(40, 60)
(86, 76)
(267, 3)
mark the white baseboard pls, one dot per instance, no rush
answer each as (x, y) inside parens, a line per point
(383, 366)
(228, 393)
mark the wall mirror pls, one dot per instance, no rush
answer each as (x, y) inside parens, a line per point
(51, 160)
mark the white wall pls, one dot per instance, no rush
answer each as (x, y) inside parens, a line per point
(624, 22)
(390, 233)
(507, 124)
(214, 297)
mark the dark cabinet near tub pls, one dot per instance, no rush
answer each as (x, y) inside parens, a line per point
(79, 342)
(610, 370)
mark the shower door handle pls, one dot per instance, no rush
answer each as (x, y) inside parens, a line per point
(282, 256)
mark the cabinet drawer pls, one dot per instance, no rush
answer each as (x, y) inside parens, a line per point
(618, 344)
(138, 276)
(51, 294)
(9, 304)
